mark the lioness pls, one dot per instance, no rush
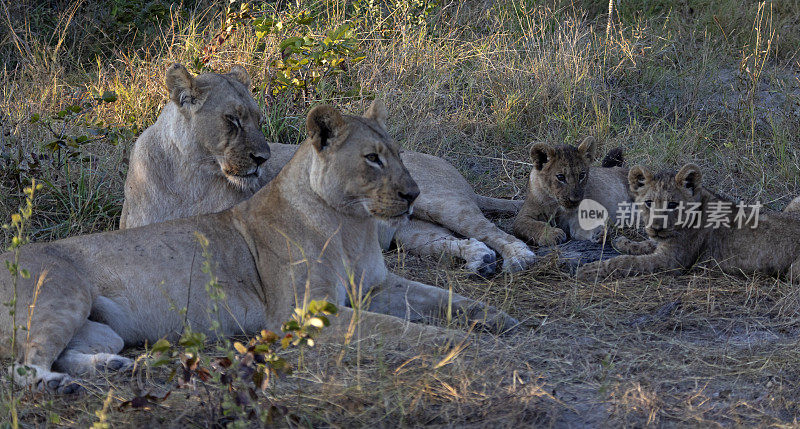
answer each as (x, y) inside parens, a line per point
(560, 179)
(671, 204)
(205, 153)
(206, 144)
(310, 229)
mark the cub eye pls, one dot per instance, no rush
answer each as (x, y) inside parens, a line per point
(672, 205)
(648, 203)
(561, 178)
(374, 158)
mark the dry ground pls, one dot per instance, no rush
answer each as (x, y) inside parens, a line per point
(712, 82)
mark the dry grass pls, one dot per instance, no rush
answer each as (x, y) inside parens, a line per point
(710, 82)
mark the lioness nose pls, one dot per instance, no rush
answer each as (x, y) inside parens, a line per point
(258, 159)
(409, 196)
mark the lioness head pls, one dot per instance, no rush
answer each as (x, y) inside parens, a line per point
(358, 169)
(224, 119)
(661, 195)
(562, 170)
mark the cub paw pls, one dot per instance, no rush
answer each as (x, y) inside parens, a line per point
(591, 272)
(551, 236)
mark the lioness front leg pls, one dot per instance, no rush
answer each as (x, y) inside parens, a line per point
(426, 239)
(415, 301)
(630, 247)
(625, 266)
(464, 217)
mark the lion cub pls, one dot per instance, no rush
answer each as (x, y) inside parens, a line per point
(561, 178)
(738, 238)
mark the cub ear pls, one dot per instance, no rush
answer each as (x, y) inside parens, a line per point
(541, 154)
(239, 73)
(377, 111)
(588, 148)
(182, 86)
(689, 177)
(638, 178)
(324, 124)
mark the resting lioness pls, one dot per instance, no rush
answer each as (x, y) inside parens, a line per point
(560, 179)
(213, 125)
(311, 230)
(769, 242)
(206, 153)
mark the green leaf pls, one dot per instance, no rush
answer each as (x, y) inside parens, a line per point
(35, 118)
(262, 349)
(161, 346)
(161, 360)
(109, 96)
(291, 41)
(193, 339)
(290, 326)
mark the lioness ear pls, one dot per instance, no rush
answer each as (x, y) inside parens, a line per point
(689, 177)
(324, 124)
(588, 148)
(541, 154)
(377, 111)
(638, 177)
(239, 73)
(182, 86)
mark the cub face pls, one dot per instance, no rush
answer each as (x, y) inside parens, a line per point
(225, 119)
(662, 196)
(358, 169)
(563, 170)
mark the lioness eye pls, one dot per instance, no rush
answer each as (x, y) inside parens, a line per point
(561, 178)
(648, 203)
(672, 205)
(582, 177)
(233, 120)
(374, 158)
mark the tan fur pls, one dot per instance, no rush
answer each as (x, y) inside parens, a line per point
(205, 147)
(561, 177)
(171, 177)
(311, 233)
(773, 247)
(793, 206)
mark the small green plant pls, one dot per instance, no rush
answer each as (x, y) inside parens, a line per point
(65, 144)
(306, 57)
(19, 238)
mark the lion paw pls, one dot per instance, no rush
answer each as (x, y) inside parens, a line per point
(106, 362)
(481, 260)
(42, 380)
(493, 320)
(517, 258)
